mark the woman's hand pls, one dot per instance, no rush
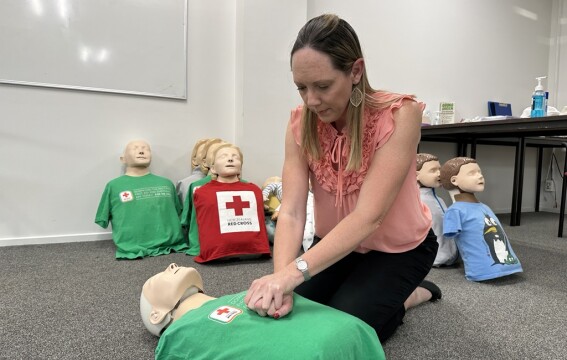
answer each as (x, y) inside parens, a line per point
(272, 295)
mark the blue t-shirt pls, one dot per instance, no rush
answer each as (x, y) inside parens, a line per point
(482, 243)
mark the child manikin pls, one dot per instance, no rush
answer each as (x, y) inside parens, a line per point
(229, 212)
(272, 194)
(142, 207)
(204, 159)
(208, 152)
(481, 240)
(272, 190)
(428, 180)
(197, 155)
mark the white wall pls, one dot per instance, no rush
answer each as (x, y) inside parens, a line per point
(58, 148)
(550, 201)
(265, 91)
(464, 51)
(558, 56)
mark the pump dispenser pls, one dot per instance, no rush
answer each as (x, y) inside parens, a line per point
(538, 99)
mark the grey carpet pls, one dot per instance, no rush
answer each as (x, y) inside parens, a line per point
(75, 301)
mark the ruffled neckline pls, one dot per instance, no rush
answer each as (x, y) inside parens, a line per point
(330, 171)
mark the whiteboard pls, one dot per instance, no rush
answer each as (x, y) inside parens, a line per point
(121, 46)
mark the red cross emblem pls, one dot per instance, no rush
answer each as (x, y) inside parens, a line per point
(225, 314)
(222, 311)
(238, 205)
(126, 196)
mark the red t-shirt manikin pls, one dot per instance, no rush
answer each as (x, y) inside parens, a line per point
(230, 217)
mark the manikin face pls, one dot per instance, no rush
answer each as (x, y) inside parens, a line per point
(227, 162)
(209, 159)
(469, 179)
(165, 289)
(429, 175)
(325, 90)
(137, 154)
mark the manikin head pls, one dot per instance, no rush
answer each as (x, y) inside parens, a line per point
(227, 163)
(428, 170)
(203, 151)
(208, 154)
(462, 174)
(136, 157)
(198, 153)
(163, 293)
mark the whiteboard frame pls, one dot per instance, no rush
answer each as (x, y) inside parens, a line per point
(182, 95)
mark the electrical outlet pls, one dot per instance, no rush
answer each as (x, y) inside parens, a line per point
(549, 185)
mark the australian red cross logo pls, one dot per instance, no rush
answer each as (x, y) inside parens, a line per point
(126, 196)
(225, 314)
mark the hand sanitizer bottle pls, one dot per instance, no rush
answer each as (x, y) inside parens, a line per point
(538, 99)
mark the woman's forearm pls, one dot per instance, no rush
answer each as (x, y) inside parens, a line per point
(288, 240)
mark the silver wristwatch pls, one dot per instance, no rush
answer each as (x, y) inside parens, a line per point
(301, 265)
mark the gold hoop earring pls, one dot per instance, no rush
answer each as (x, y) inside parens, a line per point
(356, 97)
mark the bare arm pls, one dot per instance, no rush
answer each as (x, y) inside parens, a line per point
(291, 218)
(267, 294)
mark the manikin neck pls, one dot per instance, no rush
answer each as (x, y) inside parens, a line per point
(228, 179)
(458, 195)
(136, 171)
(425, 186)
(192, 302)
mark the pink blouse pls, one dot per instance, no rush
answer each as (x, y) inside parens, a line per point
(336, 191)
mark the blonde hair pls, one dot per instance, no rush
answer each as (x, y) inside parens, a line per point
(204, 164)
(194, 160)
(334, 37)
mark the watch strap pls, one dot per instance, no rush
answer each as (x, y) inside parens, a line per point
(302, 266)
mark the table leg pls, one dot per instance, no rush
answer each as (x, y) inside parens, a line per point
(461, 149)
(538, 177)
(473, 148)
(563, 191)
(518, 183)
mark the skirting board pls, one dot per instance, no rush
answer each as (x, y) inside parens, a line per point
(497, 211)
(550, 210)
(54, 239)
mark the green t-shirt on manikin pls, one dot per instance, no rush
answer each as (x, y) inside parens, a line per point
(144, 212)
(225, 328)
(189, 216)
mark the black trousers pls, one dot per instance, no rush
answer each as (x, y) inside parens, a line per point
(373, 286)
